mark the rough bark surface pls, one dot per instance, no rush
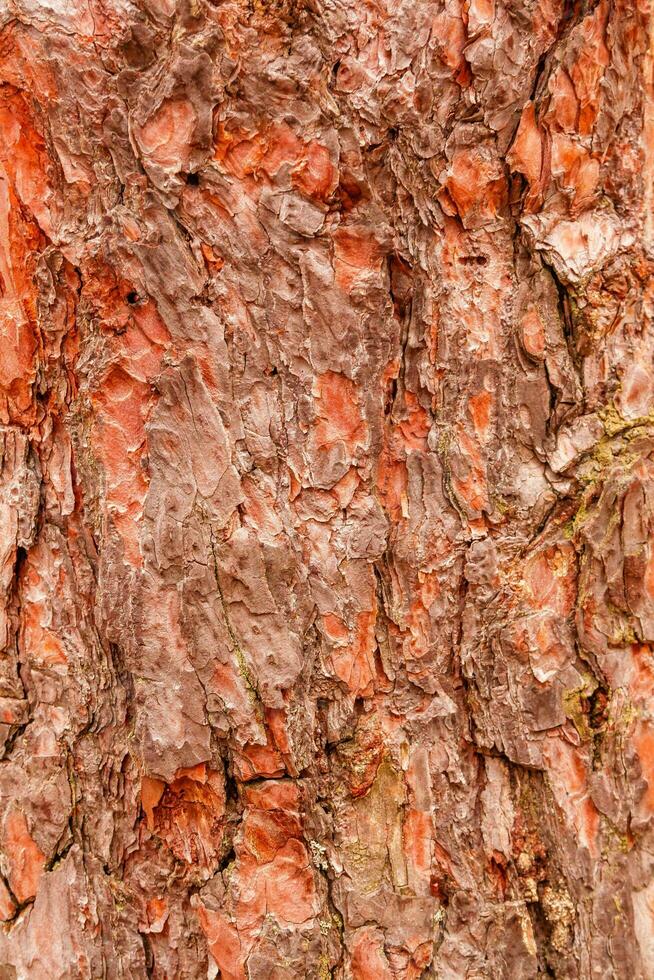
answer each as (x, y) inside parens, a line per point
(327, 507)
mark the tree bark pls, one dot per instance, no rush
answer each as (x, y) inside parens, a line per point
(327, 468)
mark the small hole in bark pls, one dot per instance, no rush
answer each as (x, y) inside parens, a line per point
(227, 859)
(21, 558)
(473, 260)
(193, 179)
(598, 707)
(231, 787)
(132, 298)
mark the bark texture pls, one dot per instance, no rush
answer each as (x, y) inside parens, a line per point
(327, 507)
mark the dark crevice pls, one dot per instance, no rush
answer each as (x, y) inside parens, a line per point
(19, 907)
(18, 730)
(598, 707)
(569, 18)
(400, 288)
(229, 858)
(541, 931)
(565, 314)
(21, 558)
(542, 524)
(333, 73)
(124, 676)
(60, 855)
(148, 954)
(553, 398)
(15, 733)
(231, 787)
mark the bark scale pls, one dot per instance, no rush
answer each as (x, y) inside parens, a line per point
(327, 411)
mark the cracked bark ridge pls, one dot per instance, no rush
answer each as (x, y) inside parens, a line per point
(327, 508)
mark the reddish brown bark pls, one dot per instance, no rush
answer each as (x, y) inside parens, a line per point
(327, 407)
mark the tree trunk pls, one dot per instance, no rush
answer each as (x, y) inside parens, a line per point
(327, 469)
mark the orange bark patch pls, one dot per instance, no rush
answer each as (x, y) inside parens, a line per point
(356, 256)
(574, 168)
(44, 646)
(343, 491)
(24, 857)
(334, 627)
(481, 11)
(213, 259)
(479, 407)
(157, 914)
(469, 480)
(476, 185)
(245, 154)
(563, 107)
(122, 403)
(316, 175)
(526, 154)
(426, 591)
(259, 508)
(353, 661)
(224, 943)
(641, 682)
(533, 332)
(230, 687)
(153, 329)
(273, 874)
(338, 416)
(414, 429)
(151, 793)
(240, 154)
(188, 813)
(368, 957)
(275, 795)
(262, 155)
(644, 743)
(637, 392)
(449, 30)
(259, 761)
(551, 579)
(401, 437)
(21, 67)
(166, 137)
(25, 158)
(290, 888)
(417, 836)
(648, 578)
(588, 70)
(392, 484)
(281, 146)
(268, 831)
(568, 771)
(18, 332)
